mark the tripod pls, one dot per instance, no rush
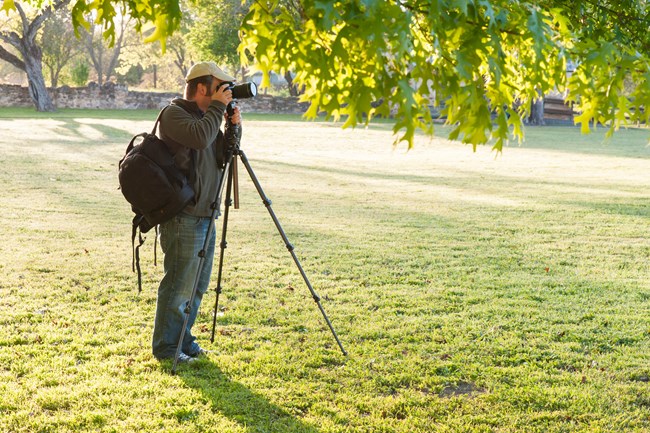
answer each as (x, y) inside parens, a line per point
(230, 167)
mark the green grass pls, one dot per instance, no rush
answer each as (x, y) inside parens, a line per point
(473, 292)
(71, 113)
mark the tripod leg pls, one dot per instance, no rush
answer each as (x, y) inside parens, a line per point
(224, 244)
(267, 203)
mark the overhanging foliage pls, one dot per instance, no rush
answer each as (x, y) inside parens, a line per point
(478, 63)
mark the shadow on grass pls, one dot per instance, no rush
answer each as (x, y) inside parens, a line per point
(87, 113)
(626, 143)
(110, 133)
(238, 403)
(631, 208)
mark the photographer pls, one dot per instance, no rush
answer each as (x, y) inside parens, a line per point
(191, 129)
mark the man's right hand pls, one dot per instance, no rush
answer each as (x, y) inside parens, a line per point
(223, 94)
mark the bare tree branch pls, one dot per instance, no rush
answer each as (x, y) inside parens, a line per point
(11, 58)
(23, 18)
(12, 38)
(45, 13)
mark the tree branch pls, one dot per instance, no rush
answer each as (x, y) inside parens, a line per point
(11, 58)
(36, 24)
(12, 38)
(23, 18)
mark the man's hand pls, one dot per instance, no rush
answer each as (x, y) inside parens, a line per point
(236, 117)
(223, 94)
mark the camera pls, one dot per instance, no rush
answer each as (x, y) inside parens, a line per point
(241, 91)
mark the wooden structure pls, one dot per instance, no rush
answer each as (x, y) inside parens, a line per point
(556, 110)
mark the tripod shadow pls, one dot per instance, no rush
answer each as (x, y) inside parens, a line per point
(238, 403)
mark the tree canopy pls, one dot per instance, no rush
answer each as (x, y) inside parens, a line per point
(481, 62)
(478, 63)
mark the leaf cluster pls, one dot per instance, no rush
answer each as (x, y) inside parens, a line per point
(479, 63)
(165, 15)
(612, 45)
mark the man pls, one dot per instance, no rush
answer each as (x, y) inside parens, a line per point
(191, 129)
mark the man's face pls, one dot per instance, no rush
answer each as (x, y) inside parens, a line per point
(213, 88)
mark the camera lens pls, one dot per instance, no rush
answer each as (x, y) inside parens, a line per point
(244, 90)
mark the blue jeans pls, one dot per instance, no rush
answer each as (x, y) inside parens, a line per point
(181, 239)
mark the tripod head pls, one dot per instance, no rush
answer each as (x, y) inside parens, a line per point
(230, 108)
(232, 131)
(232, 138)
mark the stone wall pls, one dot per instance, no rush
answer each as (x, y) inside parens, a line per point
(113, 96)
(14, 96)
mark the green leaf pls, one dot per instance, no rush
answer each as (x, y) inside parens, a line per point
(8, 6)
(584, 119)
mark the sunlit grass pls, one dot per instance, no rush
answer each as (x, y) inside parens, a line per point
(474, 292)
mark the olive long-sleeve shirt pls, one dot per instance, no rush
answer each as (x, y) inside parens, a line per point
(185, 128)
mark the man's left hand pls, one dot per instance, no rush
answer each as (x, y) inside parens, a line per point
(235, 119)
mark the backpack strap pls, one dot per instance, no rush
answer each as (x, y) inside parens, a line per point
(130, 147)
(155, 248)
(135, 261)
(155, 125)
(191, 178)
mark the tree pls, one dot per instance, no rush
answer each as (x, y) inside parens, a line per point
(293, 88)
(181, 55)
(214, 33)
(104, 56)
(537, 111)
(168, 68)
(22, 38)
(79, 73)
(59, 44)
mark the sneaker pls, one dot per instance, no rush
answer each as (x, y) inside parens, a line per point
(183, 358)
(200, 352)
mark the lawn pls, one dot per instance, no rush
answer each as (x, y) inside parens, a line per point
(474, 291)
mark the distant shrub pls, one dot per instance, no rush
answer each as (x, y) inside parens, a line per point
(80, 73)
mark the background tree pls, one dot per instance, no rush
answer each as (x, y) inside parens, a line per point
(163, 70)
(179, 53)
(59, 44)
(214, 33)
(20, 32)
(537, 111)
(160, 71)
(104, 55)
(80, 72)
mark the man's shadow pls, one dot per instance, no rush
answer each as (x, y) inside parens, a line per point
(238, 403)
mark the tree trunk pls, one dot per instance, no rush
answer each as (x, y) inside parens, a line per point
(37, 89)
(293, 89)
(32, 61)
(54, 76)
(537, 112)
(33, 57)
(96, 55)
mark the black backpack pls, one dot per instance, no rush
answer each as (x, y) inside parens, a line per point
(154, 186)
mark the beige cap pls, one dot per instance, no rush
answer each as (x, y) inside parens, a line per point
(207, 68)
